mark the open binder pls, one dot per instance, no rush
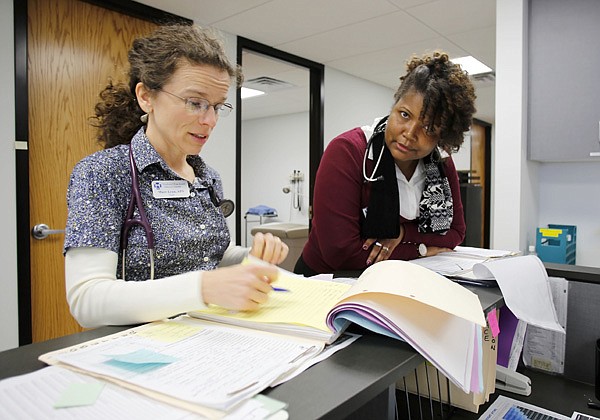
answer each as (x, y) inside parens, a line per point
(439, 318)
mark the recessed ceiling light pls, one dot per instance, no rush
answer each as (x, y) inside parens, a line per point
(471, 65)
(249, 93)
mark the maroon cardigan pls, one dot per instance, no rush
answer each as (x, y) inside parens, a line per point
(340, 194)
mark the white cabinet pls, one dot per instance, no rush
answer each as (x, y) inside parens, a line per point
(564, 80)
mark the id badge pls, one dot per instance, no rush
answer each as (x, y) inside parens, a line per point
(170, 189)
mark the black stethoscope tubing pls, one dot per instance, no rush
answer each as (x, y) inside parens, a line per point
(226, 207)
(130, 220)
(379, 128)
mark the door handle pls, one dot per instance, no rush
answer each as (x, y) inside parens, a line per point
(41, 231)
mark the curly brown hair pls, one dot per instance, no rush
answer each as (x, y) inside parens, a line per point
(448, 96)
(153, 60)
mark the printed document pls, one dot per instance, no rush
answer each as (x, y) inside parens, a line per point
(459, 262)
(508, 408)
(202, 364)
(544, 349)
(35, 395)
(525, 287)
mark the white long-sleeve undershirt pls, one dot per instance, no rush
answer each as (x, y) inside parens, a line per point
(96, 297)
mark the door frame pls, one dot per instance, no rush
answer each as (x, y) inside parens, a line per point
(126, 7)
(316, 124)
(487, 198)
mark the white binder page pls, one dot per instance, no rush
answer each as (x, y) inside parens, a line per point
(525, 287)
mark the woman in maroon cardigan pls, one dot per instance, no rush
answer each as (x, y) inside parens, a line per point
(391, 191)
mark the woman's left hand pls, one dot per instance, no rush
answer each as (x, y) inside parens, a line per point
(269, 248)
(381, 249)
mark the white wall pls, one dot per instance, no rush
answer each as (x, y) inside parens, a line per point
(272, 148)
(220, 151)
(285, 139)
(9, 332)
(514, 179)
(569, 194)
(352, 102)
(527, 195)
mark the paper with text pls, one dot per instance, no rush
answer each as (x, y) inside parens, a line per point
(33, 395)
(525, 288)
(460, 261)
(217, 367)
(544, 349)
(306, 304)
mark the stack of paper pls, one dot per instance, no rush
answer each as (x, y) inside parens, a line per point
(459, 263)
(202, 367)
(442, 320)
(301, 310)
(58, 393)
(525, 288)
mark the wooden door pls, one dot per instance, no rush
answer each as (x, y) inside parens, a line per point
(73, 50)
(478, 169)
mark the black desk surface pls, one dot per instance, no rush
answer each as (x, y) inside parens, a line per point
(552, 392)
(333, 388)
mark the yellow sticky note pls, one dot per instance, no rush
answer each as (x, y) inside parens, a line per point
(550, 233)
(168, 332)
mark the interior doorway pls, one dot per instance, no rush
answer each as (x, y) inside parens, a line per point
(473, 163)
(274, 166)
(275, 141)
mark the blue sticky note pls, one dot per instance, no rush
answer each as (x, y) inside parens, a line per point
(143, 356)
(79, 394)
(140, 361)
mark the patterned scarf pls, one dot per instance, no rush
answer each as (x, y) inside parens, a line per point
(435, 208)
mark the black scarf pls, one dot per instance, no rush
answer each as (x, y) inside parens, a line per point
(382, 219)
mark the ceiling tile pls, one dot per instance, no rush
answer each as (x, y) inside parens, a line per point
(364, 37)
(367, 39)
(480, 43)
(405, 4)
(280, 21)
(456, 16)
(209, 11)
(392, 59)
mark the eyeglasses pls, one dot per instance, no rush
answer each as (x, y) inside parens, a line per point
(199, 106)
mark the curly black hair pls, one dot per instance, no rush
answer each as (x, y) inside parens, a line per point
(448, 96)
(153, 60)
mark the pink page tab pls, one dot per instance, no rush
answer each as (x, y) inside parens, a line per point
(492, 320)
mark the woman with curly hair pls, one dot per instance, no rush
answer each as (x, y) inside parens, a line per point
(146, 235)
(391, 190)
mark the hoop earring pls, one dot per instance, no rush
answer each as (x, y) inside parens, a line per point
(144, 119)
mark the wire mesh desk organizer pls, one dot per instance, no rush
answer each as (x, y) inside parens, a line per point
(258, 215)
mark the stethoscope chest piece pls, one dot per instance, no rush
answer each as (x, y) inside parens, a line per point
(227, 207)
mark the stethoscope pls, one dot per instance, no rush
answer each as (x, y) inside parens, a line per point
(379, 128)
(226, 207)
